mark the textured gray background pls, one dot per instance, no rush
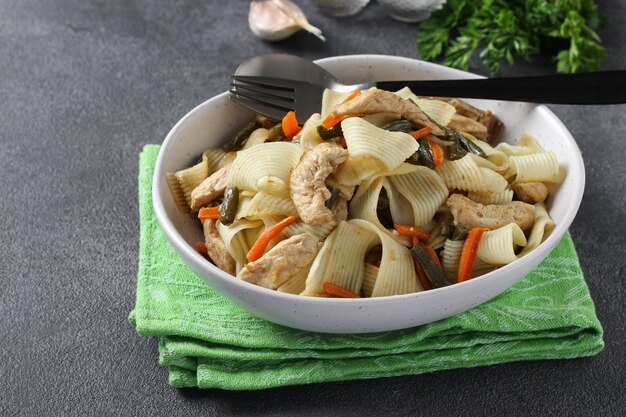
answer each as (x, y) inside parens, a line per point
(85, 84)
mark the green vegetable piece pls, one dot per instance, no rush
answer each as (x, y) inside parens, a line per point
(460, 232)
(401, 125)
(333, 132)
(469, 145)
(230, 204)
(413, 159)
(455, 151)
(426, 154)
(240, 139)
(276, 133)
(434, 274)
(334, 195)
(447, 230)
(502, 31)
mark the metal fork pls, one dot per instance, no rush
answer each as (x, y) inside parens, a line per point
(274, 97)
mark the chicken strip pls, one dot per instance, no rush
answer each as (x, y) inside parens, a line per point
(209, 189)
(467, 125)
(531, 192)
(491, 216)
(307, 188)
(281, 262)
(216, 248)
(380, 101)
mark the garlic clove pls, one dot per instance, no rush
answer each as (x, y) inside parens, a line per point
(275, 20)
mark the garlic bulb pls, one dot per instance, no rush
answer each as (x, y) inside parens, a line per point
(274, 20)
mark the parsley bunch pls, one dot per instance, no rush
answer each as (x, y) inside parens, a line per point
(508, 29)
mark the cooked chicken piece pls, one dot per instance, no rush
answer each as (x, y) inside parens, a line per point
(216, 248)
(465, 109)
(340, 210)
(381, 101)
(228, 159)
(465, 124)
(308, 191)
(281, 262)
(491, 216)
(531, 192)
(209, 189)
(484, 117)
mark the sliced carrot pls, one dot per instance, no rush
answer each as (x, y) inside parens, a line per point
(437, 152)
(209, 213)
(423, 278)
(412, 231)
(332, 120)
(338, 291)
(468, 253)
(290, 124)
(354, 94)
(258, 249)
(202, 249)
(422, 132)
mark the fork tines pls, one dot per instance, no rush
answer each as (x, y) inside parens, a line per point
(266, 95)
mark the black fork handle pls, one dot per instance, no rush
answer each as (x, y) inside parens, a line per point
(606, 87)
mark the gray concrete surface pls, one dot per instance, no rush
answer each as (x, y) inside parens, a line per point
(85, 84)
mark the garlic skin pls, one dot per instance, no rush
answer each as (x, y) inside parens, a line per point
(274, 20)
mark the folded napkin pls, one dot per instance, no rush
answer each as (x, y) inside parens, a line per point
(206, 341)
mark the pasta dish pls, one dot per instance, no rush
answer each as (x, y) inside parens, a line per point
(379, 194)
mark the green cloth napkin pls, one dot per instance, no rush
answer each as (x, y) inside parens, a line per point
(206, 341)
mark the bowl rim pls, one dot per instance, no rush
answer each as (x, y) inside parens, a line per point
(200, 263)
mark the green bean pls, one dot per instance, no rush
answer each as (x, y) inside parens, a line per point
(426, 154)
(401, 125)
(434, 274)
(469, 145)
(333, 132)
(460, 232)
(455, 151)
(228, 209)
(240, 138)
(276, 133)
(447, 230)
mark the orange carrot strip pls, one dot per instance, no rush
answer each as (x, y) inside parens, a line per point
(331, 120)
(412, 231)
(209, 213)
(422, 132)
(258, 249)
(290, 124)
(202, 249)
(354, 94)
(338, 291)
(468, 253)
(437, 152)
(421, 275)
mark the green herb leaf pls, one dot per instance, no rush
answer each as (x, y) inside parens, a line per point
(499, 31)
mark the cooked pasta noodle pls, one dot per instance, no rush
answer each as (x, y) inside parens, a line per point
(497, 247)
(505, 196)
(374, 149)
(542, 167)
(377, 199)
(266, 167)
(541, 228)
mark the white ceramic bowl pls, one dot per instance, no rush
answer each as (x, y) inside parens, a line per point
(217, 119)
